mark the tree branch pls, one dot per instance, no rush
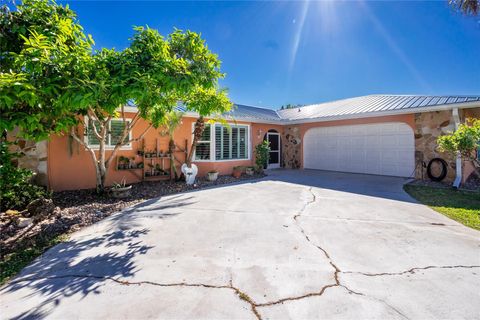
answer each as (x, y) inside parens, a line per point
(74, 135)
(142, 135)
(91, 118)
(133, 122)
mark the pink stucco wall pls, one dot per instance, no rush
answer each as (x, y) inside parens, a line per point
(75, 170)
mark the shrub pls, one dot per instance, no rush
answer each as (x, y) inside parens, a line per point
(465, 140)
(16, 190)
(261, 154)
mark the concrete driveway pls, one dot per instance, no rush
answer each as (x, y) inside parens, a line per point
(295, 245)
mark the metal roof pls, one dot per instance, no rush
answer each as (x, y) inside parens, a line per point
(241, 111)
(359, 107)
(375, 104)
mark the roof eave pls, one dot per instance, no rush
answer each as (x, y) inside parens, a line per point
(464, 105)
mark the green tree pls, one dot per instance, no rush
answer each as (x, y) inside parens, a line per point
(469, 7)
(43, 53)
(50, 81)
(290, 106)
(464, 141)
(207, 102)
(171, 121)
(155, 73)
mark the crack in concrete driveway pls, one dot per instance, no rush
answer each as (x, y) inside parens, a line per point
(161, 259)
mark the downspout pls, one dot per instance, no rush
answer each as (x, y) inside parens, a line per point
(458, 163)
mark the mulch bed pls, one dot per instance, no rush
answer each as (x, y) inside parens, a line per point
(80, 208)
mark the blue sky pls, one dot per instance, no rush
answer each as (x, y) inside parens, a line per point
(276, 53)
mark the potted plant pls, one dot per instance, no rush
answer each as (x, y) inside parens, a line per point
(152, 169)
(121, 190)
(250, 171)
(237, 171)
(158, 170)
(262, 151)
(122, 163)
(212, 175)
(131, 163)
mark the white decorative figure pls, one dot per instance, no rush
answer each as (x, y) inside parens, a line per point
(190, 173)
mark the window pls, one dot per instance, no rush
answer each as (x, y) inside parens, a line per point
(221, 143)
(115, 130)
(231, 143)
(202, 150)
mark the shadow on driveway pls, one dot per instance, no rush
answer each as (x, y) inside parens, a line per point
(364, 184)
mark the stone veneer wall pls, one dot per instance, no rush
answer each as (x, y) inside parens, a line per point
(35, 156)
(429, 126)
(291, 148)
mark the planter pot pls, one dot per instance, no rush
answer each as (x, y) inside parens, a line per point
(250, 171)
(190, 173)
(212, 176)
(237, 173)
(120, 193)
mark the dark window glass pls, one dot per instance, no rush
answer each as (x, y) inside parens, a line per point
(273, 158)
(202, 151)
(116, 131)
(273, 139)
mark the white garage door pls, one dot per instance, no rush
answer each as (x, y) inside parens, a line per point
(382, 148)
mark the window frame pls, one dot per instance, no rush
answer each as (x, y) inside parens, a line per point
(211, 148)
(108, 146)
(212, 143)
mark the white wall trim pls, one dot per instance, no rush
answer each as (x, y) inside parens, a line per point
(107, 145)
(212, 144)
(458, 160)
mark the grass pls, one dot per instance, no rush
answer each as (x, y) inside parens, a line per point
(12, 263)
(461, 206)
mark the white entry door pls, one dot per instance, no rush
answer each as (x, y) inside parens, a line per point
(381, 148)
(274, 157)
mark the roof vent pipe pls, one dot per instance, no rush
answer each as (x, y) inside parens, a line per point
(458, 162)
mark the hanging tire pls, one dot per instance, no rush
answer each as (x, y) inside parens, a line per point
(443, 173)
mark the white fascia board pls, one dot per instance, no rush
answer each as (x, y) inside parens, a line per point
(232, 119)
(129, 109)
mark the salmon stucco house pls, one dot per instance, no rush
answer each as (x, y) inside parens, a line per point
(391, 135)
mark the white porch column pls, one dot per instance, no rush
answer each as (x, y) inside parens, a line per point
(458, 162)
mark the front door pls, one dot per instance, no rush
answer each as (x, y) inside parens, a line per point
(274, 158)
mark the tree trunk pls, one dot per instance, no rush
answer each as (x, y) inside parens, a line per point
(102, 163)
(197, 135)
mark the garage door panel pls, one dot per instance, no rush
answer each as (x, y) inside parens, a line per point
(373, 130)
(358, 141)
(404, 141)
(343, 142)
(372, 140)
(384, 148)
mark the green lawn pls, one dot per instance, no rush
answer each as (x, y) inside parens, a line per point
(461, 206)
